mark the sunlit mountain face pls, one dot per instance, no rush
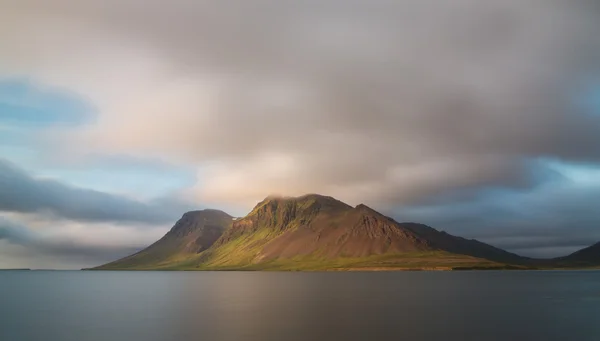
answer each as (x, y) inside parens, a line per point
(478, 118)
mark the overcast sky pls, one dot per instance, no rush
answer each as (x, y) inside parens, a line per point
(478, 117)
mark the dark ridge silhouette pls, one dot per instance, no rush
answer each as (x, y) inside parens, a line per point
(589, 256)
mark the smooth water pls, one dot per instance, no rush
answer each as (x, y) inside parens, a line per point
(279, 306)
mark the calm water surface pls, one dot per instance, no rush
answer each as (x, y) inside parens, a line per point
(264, 306)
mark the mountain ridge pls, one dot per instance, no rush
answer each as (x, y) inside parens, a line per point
(589, 256)
(316, 232)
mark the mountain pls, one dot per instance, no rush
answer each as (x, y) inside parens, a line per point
(195, 232)
(311, 232)
(589, 256)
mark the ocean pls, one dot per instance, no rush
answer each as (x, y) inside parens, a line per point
(307, 306)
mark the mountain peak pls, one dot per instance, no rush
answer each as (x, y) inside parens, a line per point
(306, 200)
(308, 196)
(193, 233)
(322, 199)
(205, 211)
(363, 207)
(200, 217)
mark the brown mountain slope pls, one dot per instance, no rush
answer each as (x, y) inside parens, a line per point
(323, 225)
(195, 232)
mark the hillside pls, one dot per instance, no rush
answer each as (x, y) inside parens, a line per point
(589, 256)
(471, 247)
(195, 232)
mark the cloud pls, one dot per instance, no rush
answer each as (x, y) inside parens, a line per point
(14, 233)
(23, 103)
(32, 241)
(20, 192)
(383, 101)
(451, 107)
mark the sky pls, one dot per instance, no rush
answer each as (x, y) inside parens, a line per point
(478, 117)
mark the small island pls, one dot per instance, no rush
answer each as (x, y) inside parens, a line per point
(319, 233)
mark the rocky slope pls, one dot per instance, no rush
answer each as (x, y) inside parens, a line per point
(312, 226)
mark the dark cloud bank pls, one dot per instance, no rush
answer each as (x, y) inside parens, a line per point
(20, 192)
